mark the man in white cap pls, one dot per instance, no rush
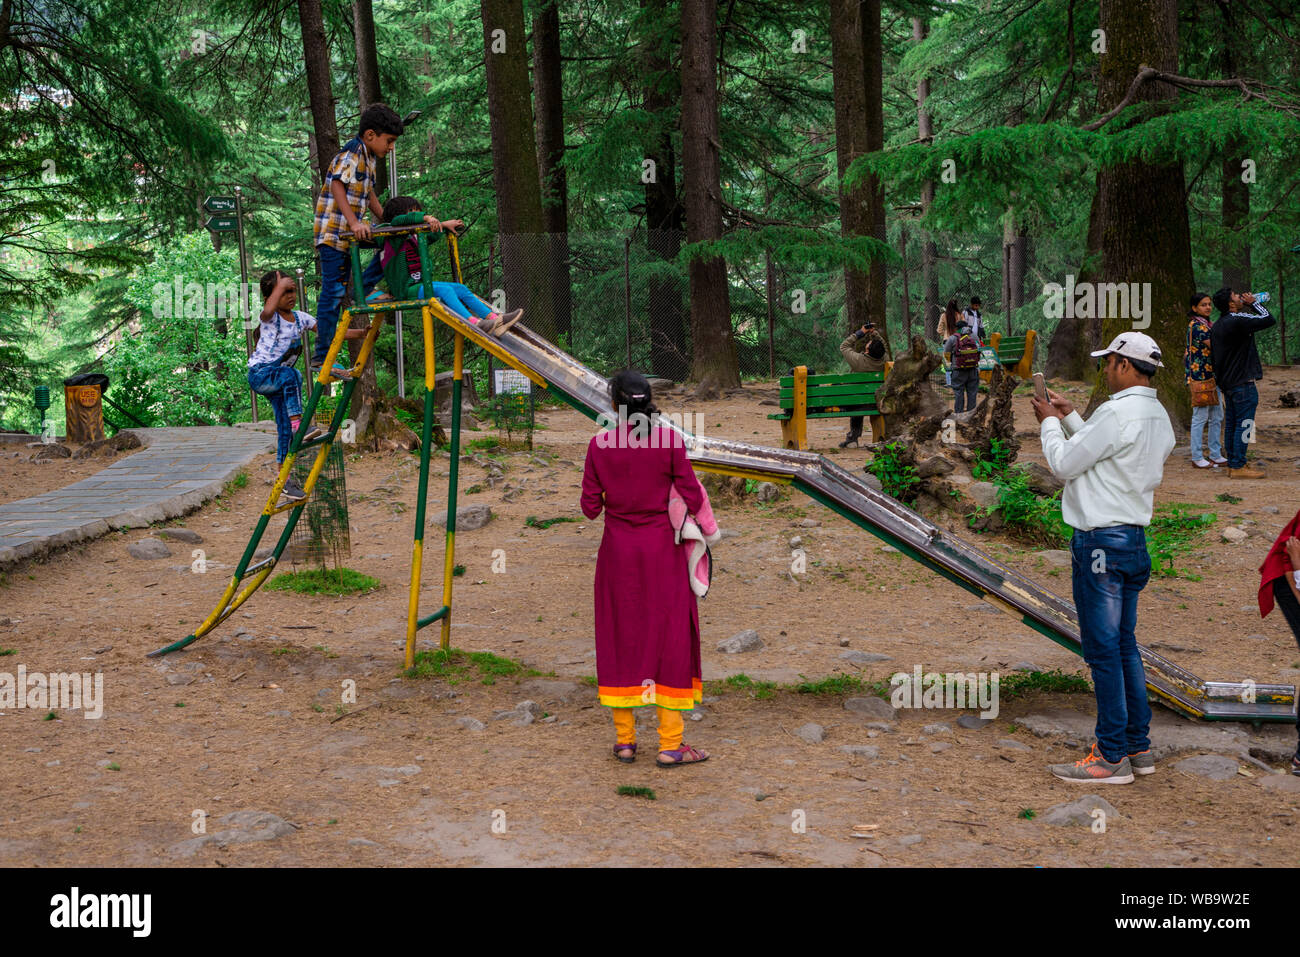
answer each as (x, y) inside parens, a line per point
(1111, 465)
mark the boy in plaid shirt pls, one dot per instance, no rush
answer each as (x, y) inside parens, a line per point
(348, 190)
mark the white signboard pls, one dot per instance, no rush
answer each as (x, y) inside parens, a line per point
(512, 382)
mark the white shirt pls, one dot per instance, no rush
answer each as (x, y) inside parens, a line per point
(1112, 463)
(278, 336)
(975, 322)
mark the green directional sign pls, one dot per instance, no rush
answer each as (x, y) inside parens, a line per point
(219, 204)
(222, 224)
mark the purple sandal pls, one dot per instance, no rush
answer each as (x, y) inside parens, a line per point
(625, 747)
(681, 755)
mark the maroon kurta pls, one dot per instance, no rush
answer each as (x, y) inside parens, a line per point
(647, 623)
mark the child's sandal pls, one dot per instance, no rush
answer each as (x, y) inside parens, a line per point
(682, 755)
(620, 748)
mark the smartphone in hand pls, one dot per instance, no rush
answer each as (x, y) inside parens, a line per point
(1040, 387)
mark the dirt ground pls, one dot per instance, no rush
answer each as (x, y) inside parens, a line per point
(250, 718)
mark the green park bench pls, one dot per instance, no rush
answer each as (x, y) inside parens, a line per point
(805, 397)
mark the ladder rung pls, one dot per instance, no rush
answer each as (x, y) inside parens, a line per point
(319, 440)
(289, 506)
(255, 568)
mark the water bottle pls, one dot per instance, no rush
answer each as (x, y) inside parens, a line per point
(1261, 298)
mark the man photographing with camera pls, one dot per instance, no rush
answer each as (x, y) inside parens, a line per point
(1111, 466)
(864, 351)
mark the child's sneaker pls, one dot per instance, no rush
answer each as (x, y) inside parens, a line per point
(315, 433)
(1095, 769)
(508, 320)
(338, 373)
(293, 491)
(1144, 762)
(379, 296)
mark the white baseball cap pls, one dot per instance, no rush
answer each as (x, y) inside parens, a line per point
(1134, 345)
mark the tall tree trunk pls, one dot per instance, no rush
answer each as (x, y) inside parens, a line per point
(873, 60)
(1144, 233)
(849, 84)
(1235, 209)
(714, 346)
(1074, 337)
(549, 94)
(368, 89)
(515, 176)
(316, 57)
(663, 206)
(929, 252)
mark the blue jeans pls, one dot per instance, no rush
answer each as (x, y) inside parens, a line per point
(1239, 415)
(457, 298)
(966, 388)
(1211, 415)
(334, 266)
(1111, 566)
(282, 386)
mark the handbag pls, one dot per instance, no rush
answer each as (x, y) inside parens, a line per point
(1204, 392)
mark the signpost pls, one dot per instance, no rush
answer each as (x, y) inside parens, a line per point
(227, 223)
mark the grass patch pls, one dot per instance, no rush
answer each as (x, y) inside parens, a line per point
(833, 685)
(277, 652)
(52, 716)
(743, 682)
(896, 479)
(532, 521)
(321, 581)
(457, 666)
(1020, 683)
(1028, 516)
(479, 445)
(457, 571)
(1175, 528)
(5, 652)
(631, 790)
(1027, 813)
(114, 766)
(589, 680)
(1227, 497)
(473, 489)
(239, 481)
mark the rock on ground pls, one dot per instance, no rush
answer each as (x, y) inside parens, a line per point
(148, 549)
(746, 640)
(811, 732)
(871, 706)
(468, 517)
(864, 657)
(179, 535)
(238, 827)
(1079, 813)
(863, 750)
(1216, 767)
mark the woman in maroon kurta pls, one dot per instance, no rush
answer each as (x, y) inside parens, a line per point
(647, 623)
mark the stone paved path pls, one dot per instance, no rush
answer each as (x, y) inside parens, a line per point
(179, 470)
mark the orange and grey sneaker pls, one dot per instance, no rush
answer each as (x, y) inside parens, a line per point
(1095, 769)
(1144, 762)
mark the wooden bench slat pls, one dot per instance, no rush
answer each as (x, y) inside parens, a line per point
(787, 381)
(833, 392)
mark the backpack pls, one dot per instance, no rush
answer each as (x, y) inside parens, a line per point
(967, 353)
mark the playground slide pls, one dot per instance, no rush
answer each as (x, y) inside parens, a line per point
(883, 516)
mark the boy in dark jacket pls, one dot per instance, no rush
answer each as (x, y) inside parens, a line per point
(1236, 369)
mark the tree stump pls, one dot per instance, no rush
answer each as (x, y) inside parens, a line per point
(906, 395)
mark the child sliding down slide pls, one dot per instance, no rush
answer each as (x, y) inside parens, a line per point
(402, 272)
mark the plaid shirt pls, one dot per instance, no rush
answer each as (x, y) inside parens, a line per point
(355, 167)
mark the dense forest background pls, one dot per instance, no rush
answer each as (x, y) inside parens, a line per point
(711, 189)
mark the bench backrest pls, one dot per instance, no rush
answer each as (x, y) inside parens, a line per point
(850, 390)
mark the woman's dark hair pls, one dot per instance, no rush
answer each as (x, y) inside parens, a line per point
(629, 390)
(1196, 300)
(1143, 368)
(950, 318)
(381, 119)
(400, 204)
(268, 281)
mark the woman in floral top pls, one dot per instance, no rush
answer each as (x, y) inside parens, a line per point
(1196, 362)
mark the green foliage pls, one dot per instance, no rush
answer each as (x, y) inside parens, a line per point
(743, 682)
(832, 685)
(457, 666)
(532, 521)
(510, 413)
(1175, 529)
(1028, 515)
(990, 465)
(1018, 684)
(897, 479)
(1227, 497)
(1027, 814)
(635, 790)
(322, 581)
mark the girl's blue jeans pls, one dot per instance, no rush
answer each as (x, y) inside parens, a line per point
(282, 386)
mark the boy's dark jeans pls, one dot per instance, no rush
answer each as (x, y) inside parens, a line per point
(334, 266)
(282, 387)
(1291, 611)
(966, 385)
(1239, 406)
(1111, 566)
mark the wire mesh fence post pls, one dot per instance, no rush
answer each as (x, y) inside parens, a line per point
(627, 294)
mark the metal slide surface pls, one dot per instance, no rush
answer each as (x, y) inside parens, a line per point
(883, 516)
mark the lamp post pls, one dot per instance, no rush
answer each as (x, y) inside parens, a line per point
(397, 316)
